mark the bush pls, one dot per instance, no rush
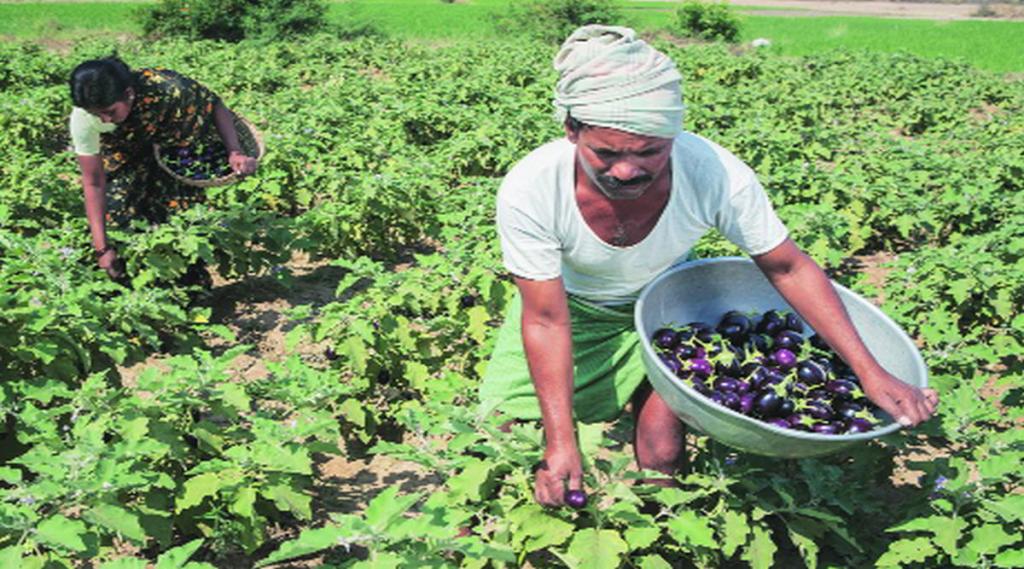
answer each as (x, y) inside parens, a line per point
(709, 21)
(554, 20)
(234, 20)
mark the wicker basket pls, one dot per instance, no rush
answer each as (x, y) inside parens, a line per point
(252, 145)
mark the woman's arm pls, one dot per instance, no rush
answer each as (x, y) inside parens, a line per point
(225, 121)
(94, 182)
(808, 290)
(547, 342)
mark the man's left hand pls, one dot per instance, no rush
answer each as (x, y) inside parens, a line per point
(907, 404)
(241, 164)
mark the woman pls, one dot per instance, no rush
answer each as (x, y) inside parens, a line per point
(119, 114)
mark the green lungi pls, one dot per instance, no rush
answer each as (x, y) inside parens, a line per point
(607, 367)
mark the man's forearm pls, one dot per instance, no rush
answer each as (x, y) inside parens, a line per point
(808, 290)
(549, 356)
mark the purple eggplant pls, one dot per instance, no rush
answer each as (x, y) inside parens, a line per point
(767, 403)
(686, 351)
(780, 422)
(671, 363)
(818, 342)
(810, 372)
(784, 358)
(818, 409)
(666, 339)
(770, 323)
(700, 366)
(841, 389)
(849, 410)
(789, 340)
(726, 383)
(825, 428)
(575, 499)
(859, 425)
(747, 403)
(731, 400)
(793, 323)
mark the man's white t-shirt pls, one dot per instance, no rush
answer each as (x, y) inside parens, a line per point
(85, 131)
(544, 236)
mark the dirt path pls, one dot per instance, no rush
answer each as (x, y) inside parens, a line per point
(920, 10)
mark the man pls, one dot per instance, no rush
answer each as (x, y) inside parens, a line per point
(586, 221)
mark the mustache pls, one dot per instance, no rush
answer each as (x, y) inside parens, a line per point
(615, 183)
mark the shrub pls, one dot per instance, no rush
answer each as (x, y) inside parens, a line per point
(709, 21)
(554, 20)
(234, 20)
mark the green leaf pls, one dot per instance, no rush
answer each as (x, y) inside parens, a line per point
(1010, 508)
(477, 326)
(387, 506)
(234, 396)
(907, 552)
(654, 561)
(177, 558)
(10, 557)
(640, 537)
(10, 475)
(947, 533)
(118, 520)
(989, 538)
(689, 528)
(1000, 466)
(536, 529)
(805, 534)
(287, 499)
(598, 549)
(761, 551)
(309, 541)
(197, 488)
(62, 532)
(960, 289)
(243, 502)
(736, 527)
(473, 482)
(353, 412)
(1011, 558)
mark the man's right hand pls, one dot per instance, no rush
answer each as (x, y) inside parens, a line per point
(110, 263)
(561, 470)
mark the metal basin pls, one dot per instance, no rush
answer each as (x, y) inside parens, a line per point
(704, 290)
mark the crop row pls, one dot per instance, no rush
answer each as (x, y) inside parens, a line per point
(385, 157)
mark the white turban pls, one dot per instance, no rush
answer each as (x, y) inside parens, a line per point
(609, 78)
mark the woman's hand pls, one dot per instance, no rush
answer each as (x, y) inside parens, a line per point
(241, 164)
(561, 466)
(109, 262)
(905, 403)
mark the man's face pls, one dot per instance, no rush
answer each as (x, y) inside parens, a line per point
(622, 165)
(117, 112)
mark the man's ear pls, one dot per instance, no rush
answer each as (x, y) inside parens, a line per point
(571, 134)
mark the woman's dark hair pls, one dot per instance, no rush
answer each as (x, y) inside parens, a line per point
(100, 82)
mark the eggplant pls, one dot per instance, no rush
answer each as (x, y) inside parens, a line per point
(666, 339)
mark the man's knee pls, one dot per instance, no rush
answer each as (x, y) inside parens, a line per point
(661, 451)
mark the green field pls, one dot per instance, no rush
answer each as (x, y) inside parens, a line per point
(318, 405)
(991, 45)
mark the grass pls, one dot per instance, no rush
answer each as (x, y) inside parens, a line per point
(58, 20)
(992, 45)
